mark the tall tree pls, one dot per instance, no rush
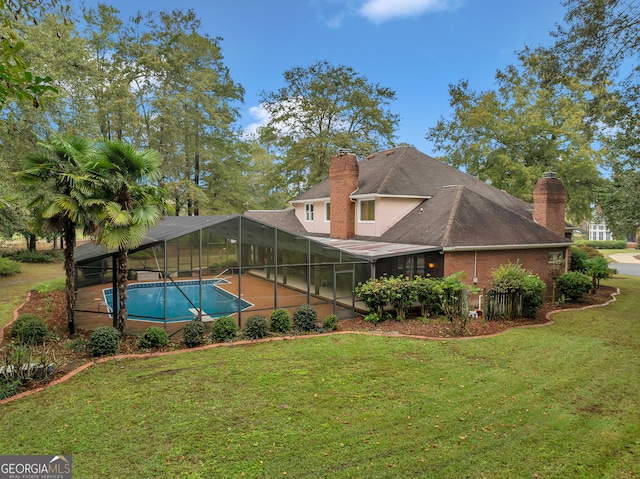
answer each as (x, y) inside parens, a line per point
(620, 203)
(131, 205)
(16, 78)
(52, 46)
(534, 121)
(600, 40)
(62, 176)
(321, 109)
(194, 105)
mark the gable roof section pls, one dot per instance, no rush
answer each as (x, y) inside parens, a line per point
(284, 220)
(407, 172)
(457, 217)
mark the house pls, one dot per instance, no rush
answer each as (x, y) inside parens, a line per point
(395, 212)
(408, 213)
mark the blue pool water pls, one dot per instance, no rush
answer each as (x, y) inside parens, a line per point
(145, 301)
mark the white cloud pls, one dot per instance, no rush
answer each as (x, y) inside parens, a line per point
(261, 117)
(379, 11)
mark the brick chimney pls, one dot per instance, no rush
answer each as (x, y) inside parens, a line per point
(343, 180)
(549, 203)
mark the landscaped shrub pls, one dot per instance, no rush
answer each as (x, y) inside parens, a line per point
(454, 301)
(372, 318)
(280, 321)
(604, 244)
(524, 292)
(193, 333)
(29, 329)
(9, 388)
(256, 327)
(374, 293)
(578, 256)
(19, 322)
(305, 318)
(153, 337)
(427, 295)
(8, 267)
(402, 294)
(104, 341)
(573, 285)
(224, 329)
(533, 295)
(330, 323)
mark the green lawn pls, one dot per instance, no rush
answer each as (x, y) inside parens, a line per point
(13, 289)
(551, 402)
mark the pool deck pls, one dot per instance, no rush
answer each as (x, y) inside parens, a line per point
(90, 314)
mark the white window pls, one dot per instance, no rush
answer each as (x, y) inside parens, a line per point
(308, 212)
(367, 210)
(327, 211)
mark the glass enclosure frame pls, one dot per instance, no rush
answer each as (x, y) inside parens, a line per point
(261, 264)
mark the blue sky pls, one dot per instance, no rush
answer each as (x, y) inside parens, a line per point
(415, 47)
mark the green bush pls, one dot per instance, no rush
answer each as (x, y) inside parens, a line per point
(330, 323)
(29, 329)
(573, 285)
(512, 279)
(280, 321)
(19, 322)
(193, 333)
(578, 257)
(402, 294)
(153, 337)
(8, 267)
(372, 318)
(607, 244)
(25, 256)
(9, 388)
(224, 329)
(533, 295)
(256, 327)
(426, 295)
(104, 341)
(374, 293)
(305, 318)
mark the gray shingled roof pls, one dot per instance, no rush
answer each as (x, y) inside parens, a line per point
(459, 217)
(459, 210)
(406, 171)
(282, 219)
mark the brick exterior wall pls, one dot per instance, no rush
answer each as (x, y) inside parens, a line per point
(343, 180)
(535, 260)
(549, 203)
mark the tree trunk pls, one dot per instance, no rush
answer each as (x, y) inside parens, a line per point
(196, 181)
(70, 273)
(32, 242)
(123, 254)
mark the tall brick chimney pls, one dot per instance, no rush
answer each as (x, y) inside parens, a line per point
(343, 180)
(549, 203)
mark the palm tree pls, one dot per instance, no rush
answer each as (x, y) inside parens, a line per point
(132, 204)
(65, 189)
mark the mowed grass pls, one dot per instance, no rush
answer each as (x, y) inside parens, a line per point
(13, 289)
(553, 402)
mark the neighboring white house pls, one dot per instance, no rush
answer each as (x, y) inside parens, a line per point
(599, 232)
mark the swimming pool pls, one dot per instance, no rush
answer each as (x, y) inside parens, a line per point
(146, 301)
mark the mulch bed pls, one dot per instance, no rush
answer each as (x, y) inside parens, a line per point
(51, 306)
